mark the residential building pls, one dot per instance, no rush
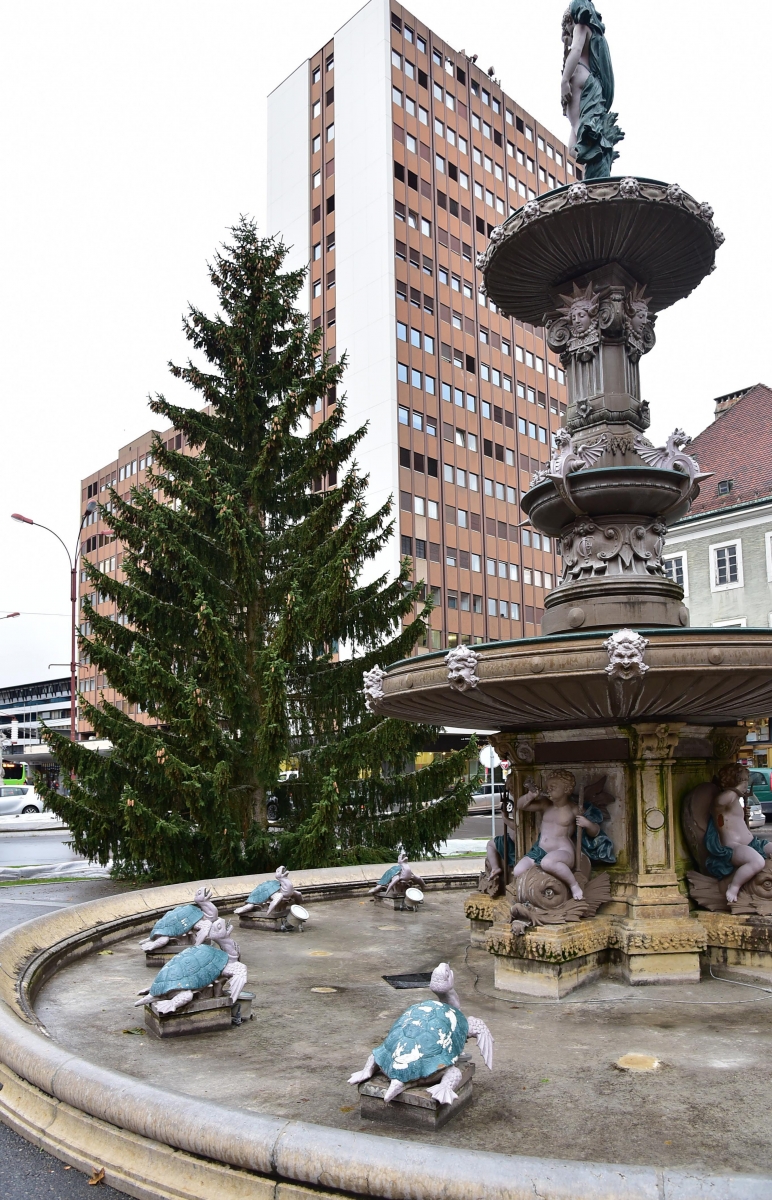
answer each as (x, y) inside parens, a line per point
(722, 551)
(391, 157)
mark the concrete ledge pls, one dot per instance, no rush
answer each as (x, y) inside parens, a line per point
(156, 1144)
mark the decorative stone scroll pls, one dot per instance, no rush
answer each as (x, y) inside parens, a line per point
(462, 668)
(373, 688)
(591, 548)
(625, 649)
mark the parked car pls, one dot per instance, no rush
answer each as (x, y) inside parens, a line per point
(19, 799)
(481, 799)
(761, 787)
(755, 816)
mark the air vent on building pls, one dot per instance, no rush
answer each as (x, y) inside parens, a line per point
(725, 486)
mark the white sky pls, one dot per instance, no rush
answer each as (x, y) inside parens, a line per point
(133, 134)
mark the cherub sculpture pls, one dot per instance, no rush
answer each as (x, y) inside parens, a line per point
(587, 90)
(555, 850)
(735, 866)
(396, 881)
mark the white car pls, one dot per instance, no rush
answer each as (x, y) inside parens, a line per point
(19, 798)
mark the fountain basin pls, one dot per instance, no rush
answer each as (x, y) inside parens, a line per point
(703, 676)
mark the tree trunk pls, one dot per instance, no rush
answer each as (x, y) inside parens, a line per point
(260, 806)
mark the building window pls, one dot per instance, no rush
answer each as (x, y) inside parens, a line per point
(733, 623)
(330, 132)
(725, 486)
(675, 569)
(726, 566)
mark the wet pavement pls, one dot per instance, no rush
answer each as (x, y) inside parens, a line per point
(555, 1090)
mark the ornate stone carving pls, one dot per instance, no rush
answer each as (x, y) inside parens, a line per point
(462, 668)
(671, 457)
(625, 649)
(590, 549)
(630, 188)
(570, 457)
(574, 329)
(656, 741)
(598, 191)
(544, 900)
(639, 324)
(578, 194)
(373, 688)
(726, 740)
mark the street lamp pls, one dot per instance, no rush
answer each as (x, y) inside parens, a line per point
(73, 560)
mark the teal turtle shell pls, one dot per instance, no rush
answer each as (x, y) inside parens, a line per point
(194, 968)
(387, 876)
(263, 892)
(427, 1037)
(178, 921)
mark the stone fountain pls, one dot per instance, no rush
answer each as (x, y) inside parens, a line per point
(619, 697)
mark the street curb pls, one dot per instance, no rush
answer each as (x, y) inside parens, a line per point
(157, 1144)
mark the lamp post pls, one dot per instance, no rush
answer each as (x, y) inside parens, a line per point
(73, 561)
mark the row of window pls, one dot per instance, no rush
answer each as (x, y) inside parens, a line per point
(726, 565)
(469, 561)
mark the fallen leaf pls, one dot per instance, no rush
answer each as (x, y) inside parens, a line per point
(97, 1177)
(136, 1030)
(348, 1108)
(104, 951)
(68, 1168)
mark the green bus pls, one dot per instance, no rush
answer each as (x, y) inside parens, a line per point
(19, 772)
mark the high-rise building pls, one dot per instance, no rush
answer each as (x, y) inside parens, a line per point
(391, 157)
(99, 546)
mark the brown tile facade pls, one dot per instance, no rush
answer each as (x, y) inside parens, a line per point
(479, 395)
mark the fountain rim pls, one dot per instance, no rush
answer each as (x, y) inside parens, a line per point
(587, 635)
(525, 266)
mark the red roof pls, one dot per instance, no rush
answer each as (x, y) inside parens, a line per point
(736, 447)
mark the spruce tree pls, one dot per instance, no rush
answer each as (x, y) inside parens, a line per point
(242, 585)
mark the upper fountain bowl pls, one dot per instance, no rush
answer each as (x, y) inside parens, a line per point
(655, 231)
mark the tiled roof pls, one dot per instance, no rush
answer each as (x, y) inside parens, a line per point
(737, 446)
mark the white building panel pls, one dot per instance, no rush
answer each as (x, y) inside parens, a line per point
(364, 236)
(289, 189)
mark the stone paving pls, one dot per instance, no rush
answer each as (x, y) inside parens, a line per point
(555, 1090)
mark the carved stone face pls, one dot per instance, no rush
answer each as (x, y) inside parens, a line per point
(580, 317)
(639, 316)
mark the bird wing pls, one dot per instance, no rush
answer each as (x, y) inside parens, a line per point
(589, 454)
(479, 1030)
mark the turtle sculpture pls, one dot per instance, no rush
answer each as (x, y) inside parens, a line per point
(427, 1038)
(273, 898)
(396, 881)
(196, 968)
(188, 924)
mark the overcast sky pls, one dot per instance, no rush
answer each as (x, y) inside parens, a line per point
(133, 135)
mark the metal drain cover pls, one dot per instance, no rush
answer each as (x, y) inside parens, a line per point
(420, 979)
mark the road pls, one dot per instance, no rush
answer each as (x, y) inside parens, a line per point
(27, 1173)
(35, 849)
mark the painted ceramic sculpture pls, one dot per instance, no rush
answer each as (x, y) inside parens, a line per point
(427, 1038)
(397, 880)
(735, 870)
(188, 924)
(273, 898)
(196, 968)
